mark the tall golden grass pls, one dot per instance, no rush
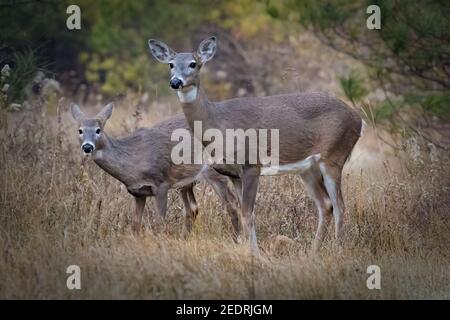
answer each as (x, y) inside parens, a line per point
(58, 210)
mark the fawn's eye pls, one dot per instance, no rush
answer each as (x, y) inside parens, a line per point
(192, 65)
(171, 65)
(80, 131)
(97, 131)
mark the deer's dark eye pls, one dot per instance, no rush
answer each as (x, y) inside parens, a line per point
(171, 65)
(80, 131)
(192, 65)
(97, 131)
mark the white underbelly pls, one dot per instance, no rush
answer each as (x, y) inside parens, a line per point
(189, 180)
(295, 167)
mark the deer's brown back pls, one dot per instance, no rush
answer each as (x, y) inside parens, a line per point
(308, 123)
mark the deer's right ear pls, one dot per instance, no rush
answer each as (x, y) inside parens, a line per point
(161, 51)
(77, 114)
(207, 49)
(105, 113)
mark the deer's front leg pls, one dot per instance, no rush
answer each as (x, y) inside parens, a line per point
(250, 178)
(140, 205)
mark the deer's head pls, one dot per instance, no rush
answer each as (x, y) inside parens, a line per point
(90, 130)
(184, 67)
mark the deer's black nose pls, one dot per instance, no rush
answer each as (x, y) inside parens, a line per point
(175, 83)
(87, 148)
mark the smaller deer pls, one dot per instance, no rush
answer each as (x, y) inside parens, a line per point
(142, 162)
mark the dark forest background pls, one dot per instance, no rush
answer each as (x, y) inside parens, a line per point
(407, 61)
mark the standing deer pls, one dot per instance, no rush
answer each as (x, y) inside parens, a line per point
(142, 162)
(316, 135)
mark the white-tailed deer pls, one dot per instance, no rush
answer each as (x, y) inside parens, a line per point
(316, 134)
(141, 161)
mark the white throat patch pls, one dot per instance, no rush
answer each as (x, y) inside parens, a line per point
(187, 96)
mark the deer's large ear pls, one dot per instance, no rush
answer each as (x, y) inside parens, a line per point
(77, 114)
(161, 51)
(105, 113)
(207, 49)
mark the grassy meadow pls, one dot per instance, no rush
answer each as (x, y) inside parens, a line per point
(58, 209)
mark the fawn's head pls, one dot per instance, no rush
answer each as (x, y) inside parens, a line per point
(184, 67)
(90, 130)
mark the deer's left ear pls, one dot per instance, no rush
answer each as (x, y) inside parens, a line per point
(207, 49)
(105, 113)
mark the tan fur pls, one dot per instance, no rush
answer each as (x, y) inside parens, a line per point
(141, 161)
(308, 123)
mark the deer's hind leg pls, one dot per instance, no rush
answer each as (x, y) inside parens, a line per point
(314, 185)
(219, 183)
(250, 178)
(191, 208)
(140, 205)
(237, 184)
(332, 181)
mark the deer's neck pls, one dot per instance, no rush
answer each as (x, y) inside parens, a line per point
(112, 158)
(196, 106)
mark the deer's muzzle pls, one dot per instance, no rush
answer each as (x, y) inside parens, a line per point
(175, 83)
(87, 148)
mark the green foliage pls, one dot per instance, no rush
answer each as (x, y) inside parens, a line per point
(353, 86)
(32, 24)
(437, 103)
(34, 38)
(272, 11)
(116, 56)
(111, 50)
(384, 111)
(410, 51)
(245, 18)
(24, 67)
(323, 14)
(22, 73)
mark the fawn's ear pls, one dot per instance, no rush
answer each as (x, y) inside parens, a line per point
(77, 114)
(161, 51)
(207, 49)
(105, 113)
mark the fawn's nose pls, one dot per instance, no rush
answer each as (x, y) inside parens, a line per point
(175, 83)
(87, 148)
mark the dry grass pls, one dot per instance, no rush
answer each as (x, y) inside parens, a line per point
(57, 211)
